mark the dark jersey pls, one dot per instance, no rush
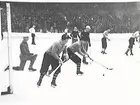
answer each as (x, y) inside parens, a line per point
(131, 41)
(74, 34)
(85, 35)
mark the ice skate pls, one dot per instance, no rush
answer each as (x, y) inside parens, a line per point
(126, 54)
(79, 73)
(40, 80)
(102, 52)
(17, 68)
(105, 53)
(39, 83)
(53, 84)
(32, 69)
(131, 54)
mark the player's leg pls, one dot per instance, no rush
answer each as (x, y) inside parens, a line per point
(131, 51)
(55, 64)
(44, 67)
(32, 59)
(76, 60)
(86, 49)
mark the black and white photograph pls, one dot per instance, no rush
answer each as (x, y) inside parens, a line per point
(69, 52)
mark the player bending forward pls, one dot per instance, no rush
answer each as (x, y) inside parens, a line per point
(71, 50)
(51, 57)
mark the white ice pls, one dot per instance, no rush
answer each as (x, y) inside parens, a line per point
(120, 86)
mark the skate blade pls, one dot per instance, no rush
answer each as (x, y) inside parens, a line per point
(80, 74)
(53, 86)
(38, 86)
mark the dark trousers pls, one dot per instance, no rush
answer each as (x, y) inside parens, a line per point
(31, 58)
(47, 61)
(73, 57)
(33, 38)
(1, 36)
(104, 44)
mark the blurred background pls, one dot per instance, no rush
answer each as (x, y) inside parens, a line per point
(123, 17)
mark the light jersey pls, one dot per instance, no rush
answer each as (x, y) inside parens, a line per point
(105, 33)
(56, 49)
(32, 30)
(136, 34)
(78, 47)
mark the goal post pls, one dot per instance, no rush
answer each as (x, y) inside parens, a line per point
(9, 88)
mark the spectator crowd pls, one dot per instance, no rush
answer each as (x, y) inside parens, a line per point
(56, 17)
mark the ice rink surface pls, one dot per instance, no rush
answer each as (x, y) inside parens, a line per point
(120, 86)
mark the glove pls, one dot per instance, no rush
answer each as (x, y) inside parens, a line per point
(90, 58)
(89, 44)
(66, 57)
(86, 56)
(60, 62)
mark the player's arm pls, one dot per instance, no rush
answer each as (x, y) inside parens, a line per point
(80, 51)
(78, 34)
(65, 55)
(71, 34)
(107, 38)
(84, 51)
(55, 49)
(89, 41)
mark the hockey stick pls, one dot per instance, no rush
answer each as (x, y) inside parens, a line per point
(100, 63)
(50, 71)
(7, 68)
